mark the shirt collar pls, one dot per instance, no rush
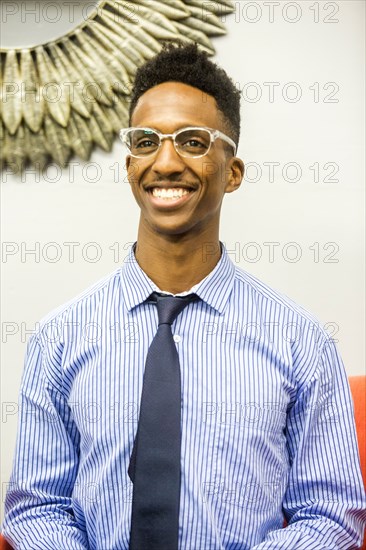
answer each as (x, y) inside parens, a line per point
(214, 289)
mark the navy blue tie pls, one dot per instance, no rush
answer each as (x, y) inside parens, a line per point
(155, 461)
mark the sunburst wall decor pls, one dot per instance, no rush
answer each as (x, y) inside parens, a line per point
(63, 97)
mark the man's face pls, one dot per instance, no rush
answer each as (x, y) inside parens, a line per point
(167, 108)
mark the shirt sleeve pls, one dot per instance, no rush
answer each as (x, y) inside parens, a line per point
(324, 503)
(38, 504)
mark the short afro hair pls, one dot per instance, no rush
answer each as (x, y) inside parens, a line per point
(178, 62)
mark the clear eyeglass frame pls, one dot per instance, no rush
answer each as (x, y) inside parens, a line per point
(214, 135)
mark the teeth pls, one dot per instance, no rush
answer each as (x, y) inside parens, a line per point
(168, 194)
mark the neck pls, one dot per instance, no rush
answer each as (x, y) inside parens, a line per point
(175, 265)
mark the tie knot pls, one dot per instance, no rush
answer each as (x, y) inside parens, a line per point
(169, 307)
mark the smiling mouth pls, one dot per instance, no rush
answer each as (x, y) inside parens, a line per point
(169, 194)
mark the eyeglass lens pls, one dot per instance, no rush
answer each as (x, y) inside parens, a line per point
(189, 143)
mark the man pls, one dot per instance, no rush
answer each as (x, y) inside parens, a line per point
(265, 417)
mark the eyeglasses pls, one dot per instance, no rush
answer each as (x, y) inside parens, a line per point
(191, 142)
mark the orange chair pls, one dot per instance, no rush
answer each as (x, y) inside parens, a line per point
(358, 389)
(4, 545)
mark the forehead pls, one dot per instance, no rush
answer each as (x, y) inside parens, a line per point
(173, 105)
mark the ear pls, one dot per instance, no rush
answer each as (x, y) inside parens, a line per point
(235, 173)
(130, 168)
(128, 162)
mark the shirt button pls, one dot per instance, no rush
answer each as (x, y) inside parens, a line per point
(177, 338)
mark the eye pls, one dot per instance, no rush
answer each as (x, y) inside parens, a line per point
(145, 143)
(193, 142)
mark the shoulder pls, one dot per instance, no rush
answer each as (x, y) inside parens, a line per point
(274, 304)
(84, 304)
(264, 293)
(293, 331)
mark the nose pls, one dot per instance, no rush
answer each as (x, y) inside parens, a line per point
(167, 160)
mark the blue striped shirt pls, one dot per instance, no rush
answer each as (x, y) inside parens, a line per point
(267, 421)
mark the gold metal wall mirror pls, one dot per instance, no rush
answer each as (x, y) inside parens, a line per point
(67, 69)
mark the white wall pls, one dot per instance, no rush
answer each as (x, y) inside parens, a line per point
(324, 219)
